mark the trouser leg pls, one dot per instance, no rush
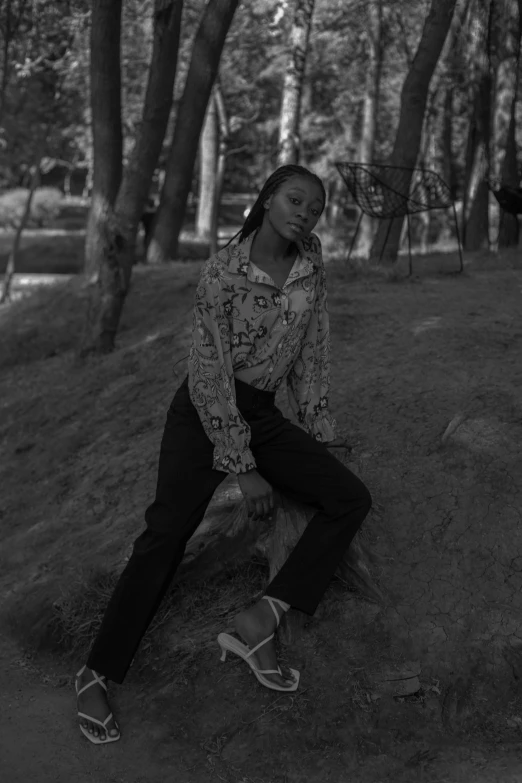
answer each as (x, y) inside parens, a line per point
(305, 470)
(186, 483)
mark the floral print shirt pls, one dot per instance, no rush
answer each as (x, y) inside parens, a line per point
(245, 327)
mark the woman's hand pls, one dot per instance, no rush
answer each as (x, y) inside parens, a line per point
(339, 442)
(258, 494)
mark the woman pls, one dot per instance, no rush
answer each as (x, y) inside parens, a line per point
(260, 317)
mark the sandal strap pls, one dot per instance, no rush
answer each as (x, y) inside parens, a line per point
(270, 671)
(271, 602)
(95, 681)
(95, 720)
(254, 649)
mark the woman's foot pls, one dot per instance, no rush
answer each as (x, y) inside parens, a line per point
(93, 702)
(254, 625)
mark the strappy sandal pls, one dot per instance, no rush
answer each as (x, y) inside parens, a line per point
(91, 737)
(230, 644)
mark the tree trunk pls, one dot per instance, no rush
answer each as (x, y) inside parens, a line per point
(413, 103)
(208, 154)
(105, 79)
(204, 63)
(506, 36)
(289, 133)
(221, 165)
(475, 211)
(370, 112)
(117, 246)
(476, 228)
(508, 234)
(5, 294)
(447, 139)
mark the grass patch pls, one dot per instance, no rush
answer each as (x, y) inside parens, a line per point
(185, 626)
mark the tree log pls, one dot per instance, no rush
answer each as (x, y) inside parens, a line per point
(227, 536)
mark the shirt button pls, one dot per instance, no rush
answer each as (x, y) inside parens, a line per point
(284, 322)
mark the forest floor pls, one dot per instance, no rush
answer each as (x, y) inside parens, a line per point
(78, 455)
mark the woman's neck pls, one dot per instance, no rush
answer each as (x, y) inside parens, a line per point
(272, 246)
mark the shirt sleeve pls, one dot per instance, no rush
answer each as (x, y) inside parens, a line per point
(308, 381)
(211, 378)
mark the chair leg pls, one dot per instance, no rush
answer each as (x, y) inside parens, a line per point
(355, 235)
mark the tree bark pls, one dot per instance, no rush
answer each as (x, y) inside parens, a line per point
(105, 80)
(508, 234)
(506, 36)
(370, 112)
(208, 154)
(221, 165)
(204, 63)
(413, 103)
(116, 248)
(289, 132)
(475, 212)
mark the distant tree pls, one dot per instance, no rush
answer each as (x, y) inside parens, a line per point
(118, 202)
(505, 62)
(5, 292)
(105, 90)
(208, 157)
(289, 124)
(204, 64)
(475, 206)
(374, 54)
(213, 156)
(413, 103)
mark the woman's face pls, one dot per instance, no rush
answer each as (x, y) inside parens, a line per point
(293, 211)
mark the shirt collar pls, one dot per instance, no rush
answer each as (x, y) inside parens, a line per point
(309, 251)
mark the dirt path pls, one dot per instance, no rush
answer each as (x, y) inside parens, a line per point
(39, 742)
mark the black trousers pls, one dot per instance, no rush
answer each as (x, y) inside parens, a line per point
(288, 458)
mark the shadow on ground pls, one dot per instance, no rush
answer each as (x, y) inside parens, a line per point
(426, 380)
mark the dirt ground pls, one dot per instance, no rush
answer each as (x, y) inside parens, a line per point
(426, 382)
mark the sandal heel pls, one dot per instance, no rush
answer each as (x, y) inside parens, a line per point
(223, 654)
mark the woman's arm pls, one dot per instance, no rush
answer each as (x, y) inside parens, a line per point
(211, 377)
(308, 382)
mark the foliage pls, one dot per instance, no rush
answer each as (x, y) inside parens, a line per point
(48, 73)
(45, 207)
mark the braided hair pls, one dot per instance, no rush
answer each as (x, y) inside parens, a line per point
(272, 185)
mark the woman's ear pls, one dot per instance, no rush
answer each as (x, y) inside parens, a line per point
(267, 202)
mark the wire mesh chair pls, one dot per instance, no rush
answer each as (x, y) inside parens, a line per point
(388, 192)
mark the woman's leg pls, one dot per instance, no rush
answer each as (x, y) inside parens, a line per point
(304, 470)
(185, 485)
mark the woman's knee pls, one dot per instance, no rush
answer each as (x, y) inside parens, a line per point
(367, 499)
(360, 495)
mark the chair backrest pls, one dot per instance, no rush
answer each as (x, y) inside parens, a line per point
(394, 191)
